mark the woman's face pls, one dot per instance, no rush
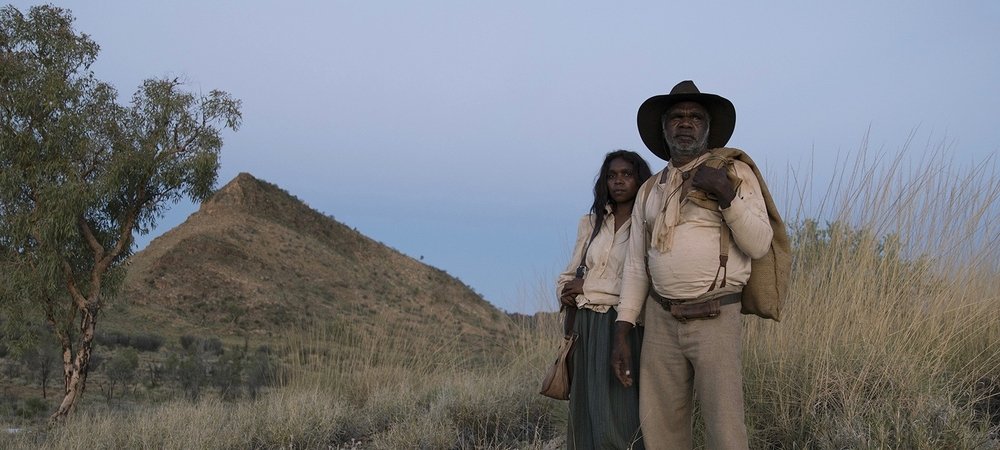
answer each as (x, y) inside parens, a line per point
(622, 184)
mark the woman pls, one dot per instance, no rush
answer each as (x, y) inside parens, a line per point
(602, 413)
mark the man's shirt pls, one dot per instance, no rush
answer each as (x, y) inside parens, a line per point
(687, 268)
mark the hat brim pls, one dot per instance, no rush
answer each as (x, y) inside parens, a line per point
(649, 119)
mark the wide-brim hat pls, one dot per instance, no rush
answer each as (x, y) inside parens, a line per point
(650, 116)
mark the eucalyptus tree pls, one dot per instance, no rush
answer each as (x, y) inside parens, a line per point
(82, 174)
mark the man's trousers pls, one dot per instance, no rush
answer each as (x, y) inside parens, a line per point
(679, 359)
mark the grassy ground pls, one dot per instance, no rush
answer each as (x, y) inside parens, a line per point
(890, 338)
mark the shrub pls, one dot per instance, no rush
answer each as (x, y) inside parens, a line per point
(120, 372)
(190, 373)
(111, 338)
(261, 371)
(155, 373)
(226, 373)
(33, 408)
(212, 345)
(146, 342)
(187, 342)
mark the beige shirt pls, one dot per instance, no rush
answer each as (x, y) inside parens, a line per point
(605, 259)
(688, 268)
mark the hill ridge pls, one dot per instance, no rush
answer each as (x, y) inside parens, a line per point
(255, 260)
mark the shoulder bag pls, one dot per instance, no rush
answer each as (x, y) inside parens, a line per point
(558, 378)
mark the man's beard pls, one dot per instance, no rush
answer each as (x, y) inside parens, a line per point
(694, 149)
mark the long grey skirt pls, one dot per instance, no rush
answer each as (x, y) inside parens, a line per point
(602, 413)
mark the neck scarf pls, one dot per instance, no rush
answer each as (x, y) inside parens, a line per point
(677, 186)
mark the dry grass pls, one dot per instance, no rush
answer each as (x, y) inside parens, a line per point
(889, 340)
(373, 393)
(890, 336)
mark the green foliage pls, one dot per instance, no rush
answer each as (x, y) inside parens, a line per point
(213, 345)
(188, 342)
(80, 174)
(144, 342)
(810, 242)
(32, 408)
(191, 374)
(227, 375)
(120, 371)
(155, 375)
(261, 371)
(42, 363)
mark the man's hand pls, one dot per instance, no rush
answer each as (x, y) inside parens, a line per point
(570, 290)
(621, 354)
(715, 183)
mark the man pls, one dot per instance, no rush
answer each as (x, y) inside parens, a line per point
(694, 232)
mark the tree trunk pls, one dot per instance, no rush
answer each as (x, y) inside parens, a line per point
(75, 368)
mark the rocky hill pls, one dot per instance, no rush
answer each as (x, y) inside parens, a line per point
(256, 262)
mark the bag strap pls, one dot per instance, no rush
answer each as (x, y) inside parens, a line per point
(644, 195)
(581, 271)
(724, 232)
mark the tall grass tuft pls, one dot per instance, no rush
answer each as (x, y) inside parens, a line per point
(890, 337)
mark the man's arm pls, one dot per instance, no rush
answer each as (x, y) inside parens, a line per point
(747, 215)
(635, 278)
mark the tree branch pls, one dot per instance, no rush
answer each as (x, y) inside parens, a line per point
(124, 237)
(88, 234)
(78, 299)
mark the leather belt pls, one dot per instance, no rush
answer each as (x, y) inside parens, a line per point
(664, 302)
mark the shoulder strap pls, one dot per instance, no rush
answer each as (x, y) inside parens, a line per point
(581, 271)
(724, 236)
(644, 192)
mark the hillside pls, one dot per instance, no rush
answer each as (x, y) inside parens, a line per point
(256, 262)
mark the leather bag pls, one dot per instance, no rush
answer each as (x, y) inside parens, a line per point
(558, 378)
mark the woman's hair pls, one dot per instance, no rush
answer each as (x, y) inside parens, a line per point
(602, 197)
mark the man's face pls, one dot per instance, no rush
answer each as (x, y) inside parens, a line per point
(685, 128)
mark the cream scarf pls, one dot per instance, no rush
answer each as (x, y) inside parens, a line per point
(677, 186)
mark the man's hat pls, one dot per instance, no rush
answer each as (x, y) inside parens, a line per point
(720, 129)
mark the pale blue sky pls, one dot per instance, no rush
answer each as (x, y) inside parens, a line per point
(470, 132)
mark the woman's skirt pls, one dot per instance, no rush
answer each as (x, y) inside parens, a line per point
(602, 413)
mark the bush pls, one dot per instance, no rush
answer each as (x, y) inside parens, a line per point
(120, 371)
(261, 370)
(187, 342)
(146, 342)
(33, 408)
(212, 345)
(155, 373)
(111, 338)
(42, 363)
(226, 375)
(190, 372)
(143, 342)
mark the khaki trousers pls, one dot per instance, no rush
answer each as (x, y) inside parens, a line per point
(679, 359)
